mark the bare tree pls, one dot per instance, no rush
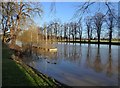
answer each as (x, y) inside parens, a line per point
(65, 31)
(75, 30)
(51, 30)
(80, 30)
(56, 29)
(15, 13)
(85, 8)
(69, 31)
(98, 21)
(72, 30)
(61, 31)
(111, 22)
(7, 14)
(24, 10)
(89, 27)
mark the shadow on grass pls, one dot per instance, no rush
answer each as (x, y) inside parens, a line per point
(12, 74)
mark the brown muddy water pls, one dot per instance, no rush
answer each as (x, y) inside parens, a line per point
(78, 64)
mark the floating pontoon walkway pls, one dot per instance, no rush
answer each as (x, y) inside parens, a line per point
(45, 47)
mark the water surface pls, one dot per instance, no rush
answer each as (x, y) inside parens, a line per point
(78, 64)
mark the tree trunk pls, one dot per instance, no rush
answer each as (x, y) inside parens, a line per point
(88, 38)
(98, 38)
(110, 36)
(73, 38)
(3, 39)
(98, 33)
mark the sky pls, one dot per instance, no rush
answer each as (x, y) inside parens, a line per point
(64, 11)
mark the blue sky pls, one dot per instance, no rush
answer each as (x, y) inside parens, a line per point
(65, 11)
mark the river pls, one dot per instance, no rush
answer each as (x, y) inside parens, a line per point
(78, 64)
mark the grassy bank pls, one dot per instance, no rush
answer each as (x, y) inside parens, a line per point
(15, 73)
(93, 42)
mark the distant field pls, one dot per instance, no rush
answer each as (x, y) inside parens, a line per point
(94, 40)
(113, 42)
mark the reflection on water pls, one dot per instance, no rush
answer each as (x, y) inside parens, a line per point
(78, 64)
(97, 62)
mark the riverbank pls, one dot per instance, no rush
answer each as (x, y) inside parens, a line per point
(16, 73)
(93, 42)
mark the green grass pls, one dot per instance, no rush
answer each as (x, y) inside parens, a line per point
(116, 41)
(113, 42)
(14, 74)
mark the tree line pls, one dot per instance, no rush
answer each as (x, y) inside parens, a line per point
(91, 26)
(17, 16)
